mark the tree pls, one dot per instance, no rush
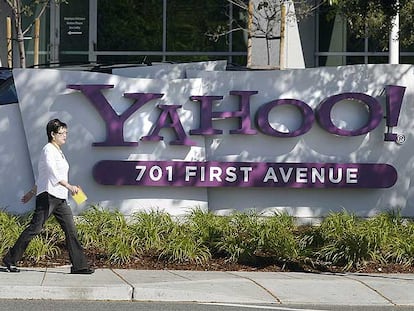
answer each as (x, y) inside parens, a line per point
(375, 17)
(28, 9)
(264, 19)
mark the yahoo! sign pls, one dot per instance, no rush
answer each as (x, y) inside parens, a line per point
(169, 117)
(242, 174)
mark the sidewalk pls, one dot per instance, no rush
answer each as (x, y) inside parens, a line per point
(204, 286)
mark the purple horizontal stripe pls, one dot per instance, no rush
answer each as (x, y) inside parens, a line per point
(244, 174)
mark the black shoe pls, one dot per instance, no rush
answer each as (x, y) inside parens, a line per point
(10, 267)
(82, 271)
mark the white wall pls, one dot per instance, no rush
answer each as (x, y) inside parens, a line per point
(169, 71)
(266, 54)
(312, 86)
(15, 167)
(43, 95)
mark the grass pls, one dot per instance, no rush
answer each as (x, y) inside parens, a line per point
(10, 228)
(342, 239)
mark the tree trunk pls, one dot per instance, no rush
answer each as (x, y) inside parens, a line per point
(20, 36)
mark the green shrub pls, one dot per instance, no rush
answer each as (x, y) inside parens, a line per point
(120, 250)
(342, 239)
(398, 244)
(207, 228)
(349, 241)
(107, 232)
(10, 229)
(277, 237)
(150, 231)
(45, 245)
(240, 237)
(182, 246)
(41, 247)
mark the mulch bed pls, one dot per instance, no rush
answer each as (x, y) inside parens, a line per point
(217, 264)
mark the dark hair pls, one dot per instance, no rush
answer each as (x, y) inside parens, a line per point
(54, 126)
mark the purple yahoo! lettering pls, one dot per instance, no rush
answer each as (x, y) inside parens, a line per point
(262, 118)
(169, 112)
(169, 117)
(207, 114)
(206, 118)
(395, 95)
(323, 113)
(114, 122)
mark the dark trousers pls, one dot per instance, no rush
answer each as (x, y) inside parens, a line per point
(47, 205)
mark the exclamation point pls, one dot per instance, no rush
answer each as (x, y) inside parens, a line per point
(395, 95)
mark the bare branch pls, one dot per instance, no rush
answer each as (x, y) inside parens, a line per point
(215, 36)
(43, 9)
(240, 3)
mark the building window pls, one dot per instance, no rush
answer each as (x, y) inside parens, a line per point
(166, 30)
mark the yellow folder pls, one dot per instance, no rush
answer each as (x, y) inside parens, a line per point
(80, 197)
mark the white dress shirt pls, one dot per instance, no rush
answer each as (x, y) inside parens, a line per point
(52, 168)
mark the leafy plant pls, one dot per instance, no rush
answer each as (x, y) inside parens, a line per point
(207, 228)
(181, 246)
(277, 237)
(10, 229)
(107, 232)
(150, 231)
(241, 235)
(344, 243)
(342, 239)
(47, 243)
(42, 247)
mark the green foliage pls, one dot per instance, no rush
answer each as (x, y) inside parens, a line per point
(151, 230)
(344, 242)
(245, 236)
(375, 18)
(277, 237)
(107, 232)
(349, 241)
(396, 239)
(45, 245)
(207, 228)
(240, 238)
(182, 246)
(342, 239)
(42, 247)
(10, 228)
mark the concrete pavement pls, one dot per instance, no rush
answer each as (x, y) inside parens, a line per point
(210, 286)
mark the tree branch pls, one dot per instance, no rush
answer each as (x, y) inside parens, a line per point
(45, 4)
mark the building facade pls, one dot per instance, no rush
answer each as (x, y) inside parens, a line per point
(124, 32)
(305, 141)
